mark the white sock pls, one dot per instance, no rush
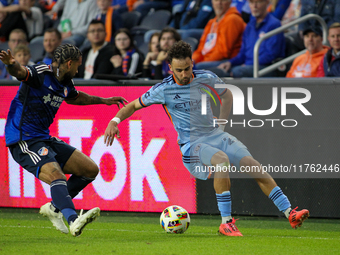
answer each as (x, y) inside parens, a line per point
(226, 219)
(287, 212)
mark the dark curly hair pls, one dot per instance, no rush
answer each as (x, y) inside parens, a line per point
(180, 50)
(66, 52)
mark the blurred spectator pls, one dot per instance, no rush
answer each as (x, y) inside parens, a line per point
(330, 63)
(32, 16)
(329, 10)
(220, 40)
(9, 22)
(152, 54)
(22, 54)
(276, 7)
(96, 59)
(193, 14)
(270, 50)
(129, 4)
(126, 60)
(293, 12)
(167, 38)
(144, 6)
(110, 18)
(76, 17)
(56, 8)
(16, 37)
(8, 2)
(306, 65)
(46, 5)
(52, 39)
(120, 6)
(279, 7)
(153, 45)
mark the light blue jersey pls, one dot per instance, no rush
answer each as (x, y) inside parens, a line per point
(199, 140)
(183, 103)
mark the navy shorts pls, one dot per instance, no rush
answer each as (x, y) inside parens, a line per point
(34, 153)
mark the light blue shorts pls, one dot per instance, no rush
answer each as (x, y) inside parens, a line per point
(197, 155)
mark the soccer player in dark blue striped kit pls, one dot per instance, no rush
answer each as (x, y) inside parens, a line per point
(42, 90)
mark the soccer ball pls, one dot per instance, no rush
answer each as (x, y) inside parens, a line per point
(175, 219)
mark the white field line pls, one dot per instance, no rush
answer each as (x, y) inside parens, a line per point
(191, 233)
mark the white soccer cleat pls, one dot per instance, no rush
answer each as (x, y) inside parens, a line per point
(47, 210)
(76, 227)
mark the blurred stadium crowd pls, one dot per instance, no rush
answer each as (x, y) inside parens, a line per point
(130, 38)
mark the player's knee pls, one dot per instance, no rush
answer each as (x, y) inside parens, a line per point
(248, 161)
(51, 172)
(219, 158)
(92, 171)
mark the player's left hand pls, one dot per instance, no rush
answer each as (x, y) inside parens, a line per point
(110, 133)
(115, 100)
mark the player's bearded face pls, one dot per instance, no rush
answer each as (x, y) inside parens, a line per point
(71, 70)
(182, 69)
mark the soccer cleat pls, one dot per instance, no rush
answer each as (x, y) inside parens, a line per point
(229, 229)
(47, 210)
(297, 217)
(76, 227)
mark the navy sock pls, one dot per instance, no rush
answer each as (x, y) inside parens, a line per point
(279, 199)
(75, 184)
(62, 200)
(224, 205)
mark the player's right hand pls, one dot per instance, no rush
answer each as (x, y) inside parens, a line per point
(6, 57)
(110, 133)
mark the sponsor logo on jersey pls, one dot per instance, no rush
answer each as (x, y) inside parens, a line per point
(197, 148)
(65, 92)
(47, 98)
(177, 97)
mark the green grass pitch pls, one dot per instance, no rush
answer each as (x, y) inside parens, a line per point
(24, 231)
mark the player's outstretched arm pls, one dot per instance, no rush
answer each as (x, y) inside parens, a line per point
(86, 99)
(13, 67)
(227, 102)
(124, 113)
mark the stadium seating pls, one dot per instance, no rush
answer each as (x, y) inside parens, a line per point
(130, 19)
(192, 41)
(154, 20)
(144, 48)
(4, 46)
(37, 51)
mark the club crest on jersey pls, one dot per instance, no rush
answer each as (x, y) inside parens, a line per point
(43, 151)
(197, 148)
(65, 92)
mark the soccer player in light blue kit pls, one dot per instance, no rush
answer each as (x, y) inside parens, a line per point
(41, 92)
(201, 143)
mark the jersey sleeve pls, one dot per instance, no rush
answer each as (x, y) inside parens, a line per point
(35, 77)
(154, 95)
(212, 79)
